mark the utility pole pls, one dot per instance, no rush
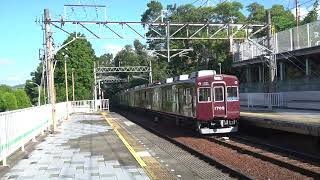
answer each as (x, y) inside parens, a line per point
(66, 81)
(72, 85)
(168, 40)
(297, 24)
(95, 86)
(99, 85)
(49, 60)
(272, 58)
(150, 72)
(297, 12)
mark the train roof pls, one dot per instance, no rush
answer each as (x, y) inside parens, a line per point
(181, 79)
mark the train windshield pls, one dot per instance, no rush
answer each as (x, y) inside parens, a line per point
(204, 94)
(232, 94)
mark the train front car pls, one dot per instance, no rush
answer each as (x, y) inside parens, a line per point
(218, 106)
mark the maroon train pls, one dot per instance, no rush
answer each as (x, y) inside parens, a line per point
(208, 99)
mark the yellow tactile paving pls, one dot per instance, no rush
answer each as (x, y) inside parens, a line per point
(149, 164)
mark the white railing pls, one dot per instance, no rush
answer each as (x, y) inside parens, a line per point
(20, 126)
(304, 36)
(104, 104)
(265, 100)
(83, 106)
(274, 100)
(90, 105)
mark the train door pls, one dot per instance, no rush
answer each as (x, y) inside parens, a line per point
(219, 101)
(204, 110)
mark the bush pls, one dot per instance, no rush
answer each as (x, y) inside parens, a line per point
(10, 101)
(23, 100)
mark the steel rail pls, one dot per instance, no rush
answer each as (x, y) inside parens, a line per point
(261, 156)
(208, 159)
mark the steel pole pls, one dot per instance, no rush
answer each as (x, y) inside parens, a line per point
(39, 93)
(95, 86)
(72, 85)
(66, 81)
(49, 58)
(168, 40)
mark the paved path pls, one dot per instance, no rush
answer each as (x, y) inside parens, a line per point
(85, 148)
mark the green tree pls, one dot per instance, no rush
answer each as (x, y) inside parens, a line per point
(22, 98)
(105, 60)
(81, 58)
(281, 18)
(127, 57)
(313, 14)
(5, 88)
(10, 101)
(31, 89)
(2, 103)
(257, 13)
(153, 11)
(229, 12)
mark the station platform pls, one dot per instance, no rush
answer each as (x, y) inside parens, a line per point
(291, 120)
(107, 146)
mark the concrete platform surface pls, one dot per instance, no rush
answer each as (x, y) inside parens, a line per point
(297, 121)
(85, 147)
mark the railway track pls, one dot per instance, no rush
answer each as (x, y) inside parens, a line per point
(233, 155)
(300, 162)
(210, 160)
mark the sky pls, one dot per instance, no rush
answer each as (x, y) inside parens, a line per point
(21, 36)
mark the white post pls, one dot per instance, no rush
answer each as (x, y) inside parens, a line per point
(307, 67)
(260, 73)
(291, 40)
(99, 84)
(39, 92)
(281, 71)
(95, 86)
(4, 160)
(276, 43)
(308, 34)
(3, 153)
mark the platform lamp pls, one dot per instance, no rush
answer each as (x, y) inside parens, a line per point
(72, 85)
(66, 82)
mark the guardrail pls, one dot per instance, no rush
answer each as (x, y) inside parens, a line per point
(90, 105)
(300, 37)
(266, 100)
(20, 126)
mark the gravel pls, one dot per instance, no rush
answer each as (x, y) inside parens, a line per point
(254, 167)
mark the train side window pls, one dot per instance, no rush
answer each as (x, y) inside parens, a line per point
(232, 93)
(218, 94)
(204, 95)
(188, 96)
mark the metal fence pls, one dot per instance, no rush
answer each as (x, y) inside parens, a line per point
(265, 100)
(20, 126)
(90, 105)
(300, 37)
(282, 86)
